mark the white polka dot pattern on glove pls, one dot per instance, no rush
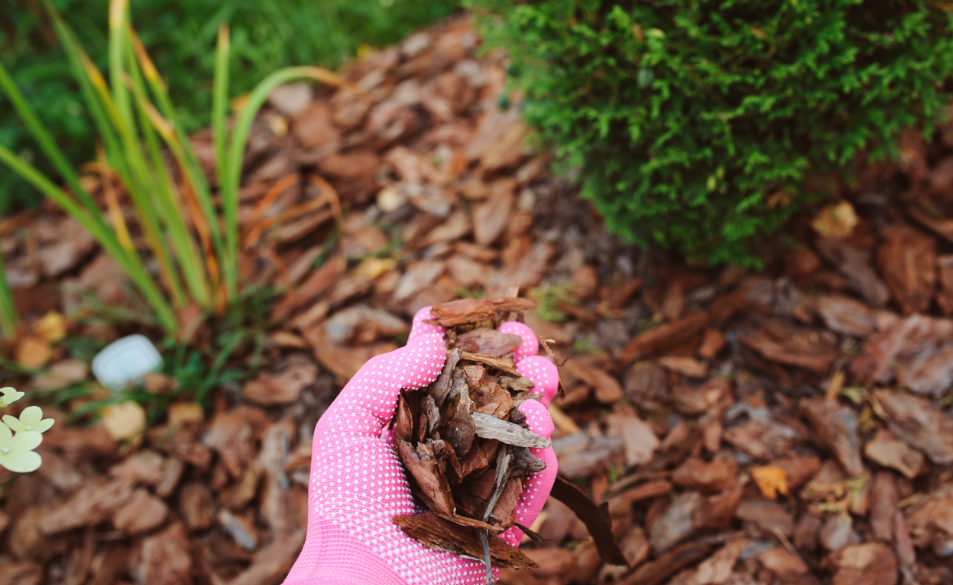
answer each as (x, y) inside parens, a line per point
(357, 483)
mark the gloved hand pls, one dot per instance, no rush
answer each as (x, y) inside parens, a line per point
(358, 485)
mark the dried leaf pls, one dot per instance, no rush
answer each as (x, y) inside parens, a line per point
(771, 481)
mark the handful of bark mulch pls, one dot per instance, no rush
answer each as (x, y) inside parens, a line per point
(465, 445)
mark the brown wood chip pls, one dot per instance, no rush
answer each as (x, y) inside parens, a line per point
(436, 533)
(506, 365)
(490, 427)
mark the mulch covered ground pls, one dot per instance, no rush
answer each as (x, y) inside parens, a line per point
(789, 426)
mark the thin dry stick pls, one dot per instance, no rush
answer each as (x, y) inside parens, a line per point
(787, 543)
(270, 255)
(486, 556)
(273, 193)
(502, 476)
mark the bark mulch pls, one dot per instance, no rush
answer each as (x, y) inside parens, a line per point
(785, 426)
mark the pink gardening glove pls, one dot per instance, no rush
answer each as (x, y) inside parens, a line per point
(358, 485)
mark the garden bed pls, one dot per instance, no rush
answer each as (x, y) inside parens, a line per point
(786, 426)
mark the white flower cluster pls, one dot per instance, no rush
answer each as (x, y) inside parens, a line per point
(16, 451)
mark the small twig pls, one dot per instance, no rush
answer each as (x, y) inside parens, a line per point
(787, 544)
(486, 556)
(502, 475)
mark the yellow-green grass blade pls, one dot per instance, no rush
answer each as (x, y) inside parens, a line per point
(185, 154)
(228, 184)
(43, 137)
(118, 16)
(88, 77)
(122, 146)
(130, 263)
(189, 260)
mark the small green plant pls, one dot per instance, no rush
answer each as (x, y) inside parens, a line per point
(584, 345)
(194, 243)
(16, 450)
(695, 122)
(548, 300)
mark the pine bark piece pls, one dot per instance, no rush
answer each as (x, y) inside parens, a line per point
(504, 509)
(479, 457)
(490, 427)
(658, 571)
(469, 311)
(404, 425)
(596, 519)
(665, 337)
(886, 450)
(488, 342)
(918, 423)
(836, 428)
(800, 347)
(492, 394)
(525, 461)
(944, 297)
(448, 459)
(87, 507)
(581, 455)
(142, 512)
(907, 260)
(459, 428)
(441, 387)
(506, 365)
(884, 505)
(439, 534)
(197, 506)
(907, 337)
(432, 485)
(847, 316)
(929, 373)
(429, 408)
(515, 384)
(871, 563)
(854, 263)
(163, 558)
(709, 477)
(675, 523)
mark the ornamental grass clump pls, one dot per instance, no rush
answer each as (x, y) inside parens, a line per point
(694, 123)
(193, 239)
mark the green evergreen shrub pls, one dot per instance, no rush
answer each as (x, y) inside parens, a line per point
(694, 122)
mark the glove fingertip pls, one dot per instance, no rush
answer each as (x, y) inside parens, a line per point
(530, 344)
(425, 356)
(418, 327)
